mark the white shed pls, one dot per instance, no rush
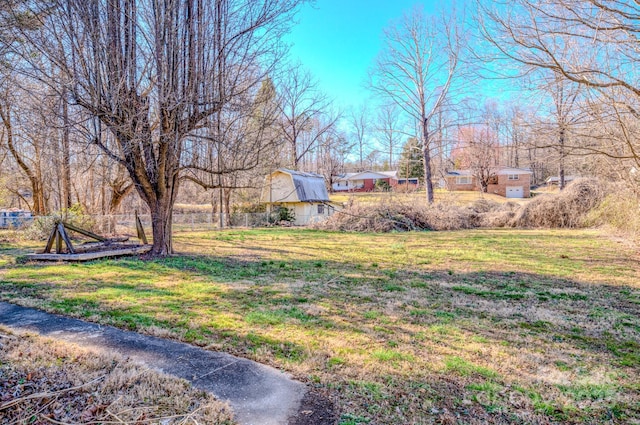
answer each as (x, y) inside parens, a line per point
(305, 194)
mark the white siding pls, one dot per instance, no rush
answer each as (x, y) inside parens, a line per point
(282, 189)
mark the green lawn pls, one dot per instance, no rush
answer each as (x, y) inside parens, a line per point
(498, 326)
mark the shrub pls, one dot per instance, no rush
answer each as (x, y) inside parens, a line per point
(382, 186)
(282, 215)
(582, 203)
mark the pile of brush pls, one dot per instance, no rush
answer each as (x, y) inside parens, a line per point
(569, 208)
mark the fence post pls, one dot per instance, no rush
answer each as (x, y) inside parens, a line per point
(246, 219)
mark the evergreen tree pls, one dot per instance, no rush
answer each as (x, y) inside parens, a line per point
(411, 162)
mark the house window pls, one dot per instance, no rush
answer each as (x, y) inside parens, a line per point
(463, 180)
(514, 177)
(320, 209)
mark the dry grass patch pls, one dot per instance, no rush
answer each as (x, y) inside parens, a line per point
(45, 381)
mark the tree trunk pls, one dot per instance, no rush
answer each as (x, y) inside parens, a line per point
(119, 190)
(227, 206)
(561, 182)
(161, 222)
(66, 155)
(391, 151)
(37, 184)
(426, 154)
(39, 201)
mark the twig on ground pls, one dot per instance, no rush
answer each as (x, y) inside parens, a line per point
(48, 394)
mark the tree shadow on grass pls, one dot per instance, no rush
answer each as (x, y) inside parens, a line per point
(587, 315)
(261, 307)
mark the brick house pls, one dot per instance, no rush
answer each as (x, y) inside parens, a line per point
(366, 181)
(505, 181)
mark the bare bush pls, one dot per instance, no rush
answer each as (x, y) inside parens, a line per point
(567, 209)
(620, 211)
(494, 214)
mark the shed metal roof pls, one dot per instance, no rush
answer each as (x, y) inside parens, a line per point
(309, 187)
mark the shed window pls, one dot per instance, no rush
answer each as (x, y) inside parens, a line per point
(463, 180)
(320, 209)
(514, 177)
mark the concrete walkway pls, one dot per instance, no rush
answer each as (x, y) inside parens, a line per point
(258, 394)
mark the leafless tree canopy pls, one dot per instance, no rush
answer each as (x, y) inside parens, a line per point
(153, 72)
(591, 43)
(303, 107)
(415, 71)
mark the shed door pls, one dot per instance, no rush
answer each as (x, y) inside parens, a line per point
(515, 192)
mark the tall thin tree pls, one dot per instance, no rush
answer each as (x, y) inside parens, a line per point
(415, 70)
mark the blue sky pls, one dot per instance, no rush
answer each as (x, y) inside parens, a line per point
(337, 40)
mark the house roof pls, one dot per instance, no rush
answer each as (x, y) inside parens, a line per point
(511, 170)
(556, 179)
(309, 187)
(459, 173)
(499, 171)
(367, 174)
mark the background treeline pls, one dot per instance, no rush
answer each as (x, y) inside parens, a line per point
(121, 105)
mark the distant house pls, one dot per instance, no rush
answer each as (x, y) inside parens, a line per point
(305, 194)
(555, 180)
(506, 181)
(366, 181)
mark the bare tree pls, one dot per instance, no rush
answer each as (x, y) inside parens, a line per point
(359, 120)
(229, 152)
(301, 106)
(373, 159)
(334, 147)
(415, 70)
(153, 72)
(389, 130)
(479, 150)
(515, 135)
(592, 43)
(565, 115)
(25, 136)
